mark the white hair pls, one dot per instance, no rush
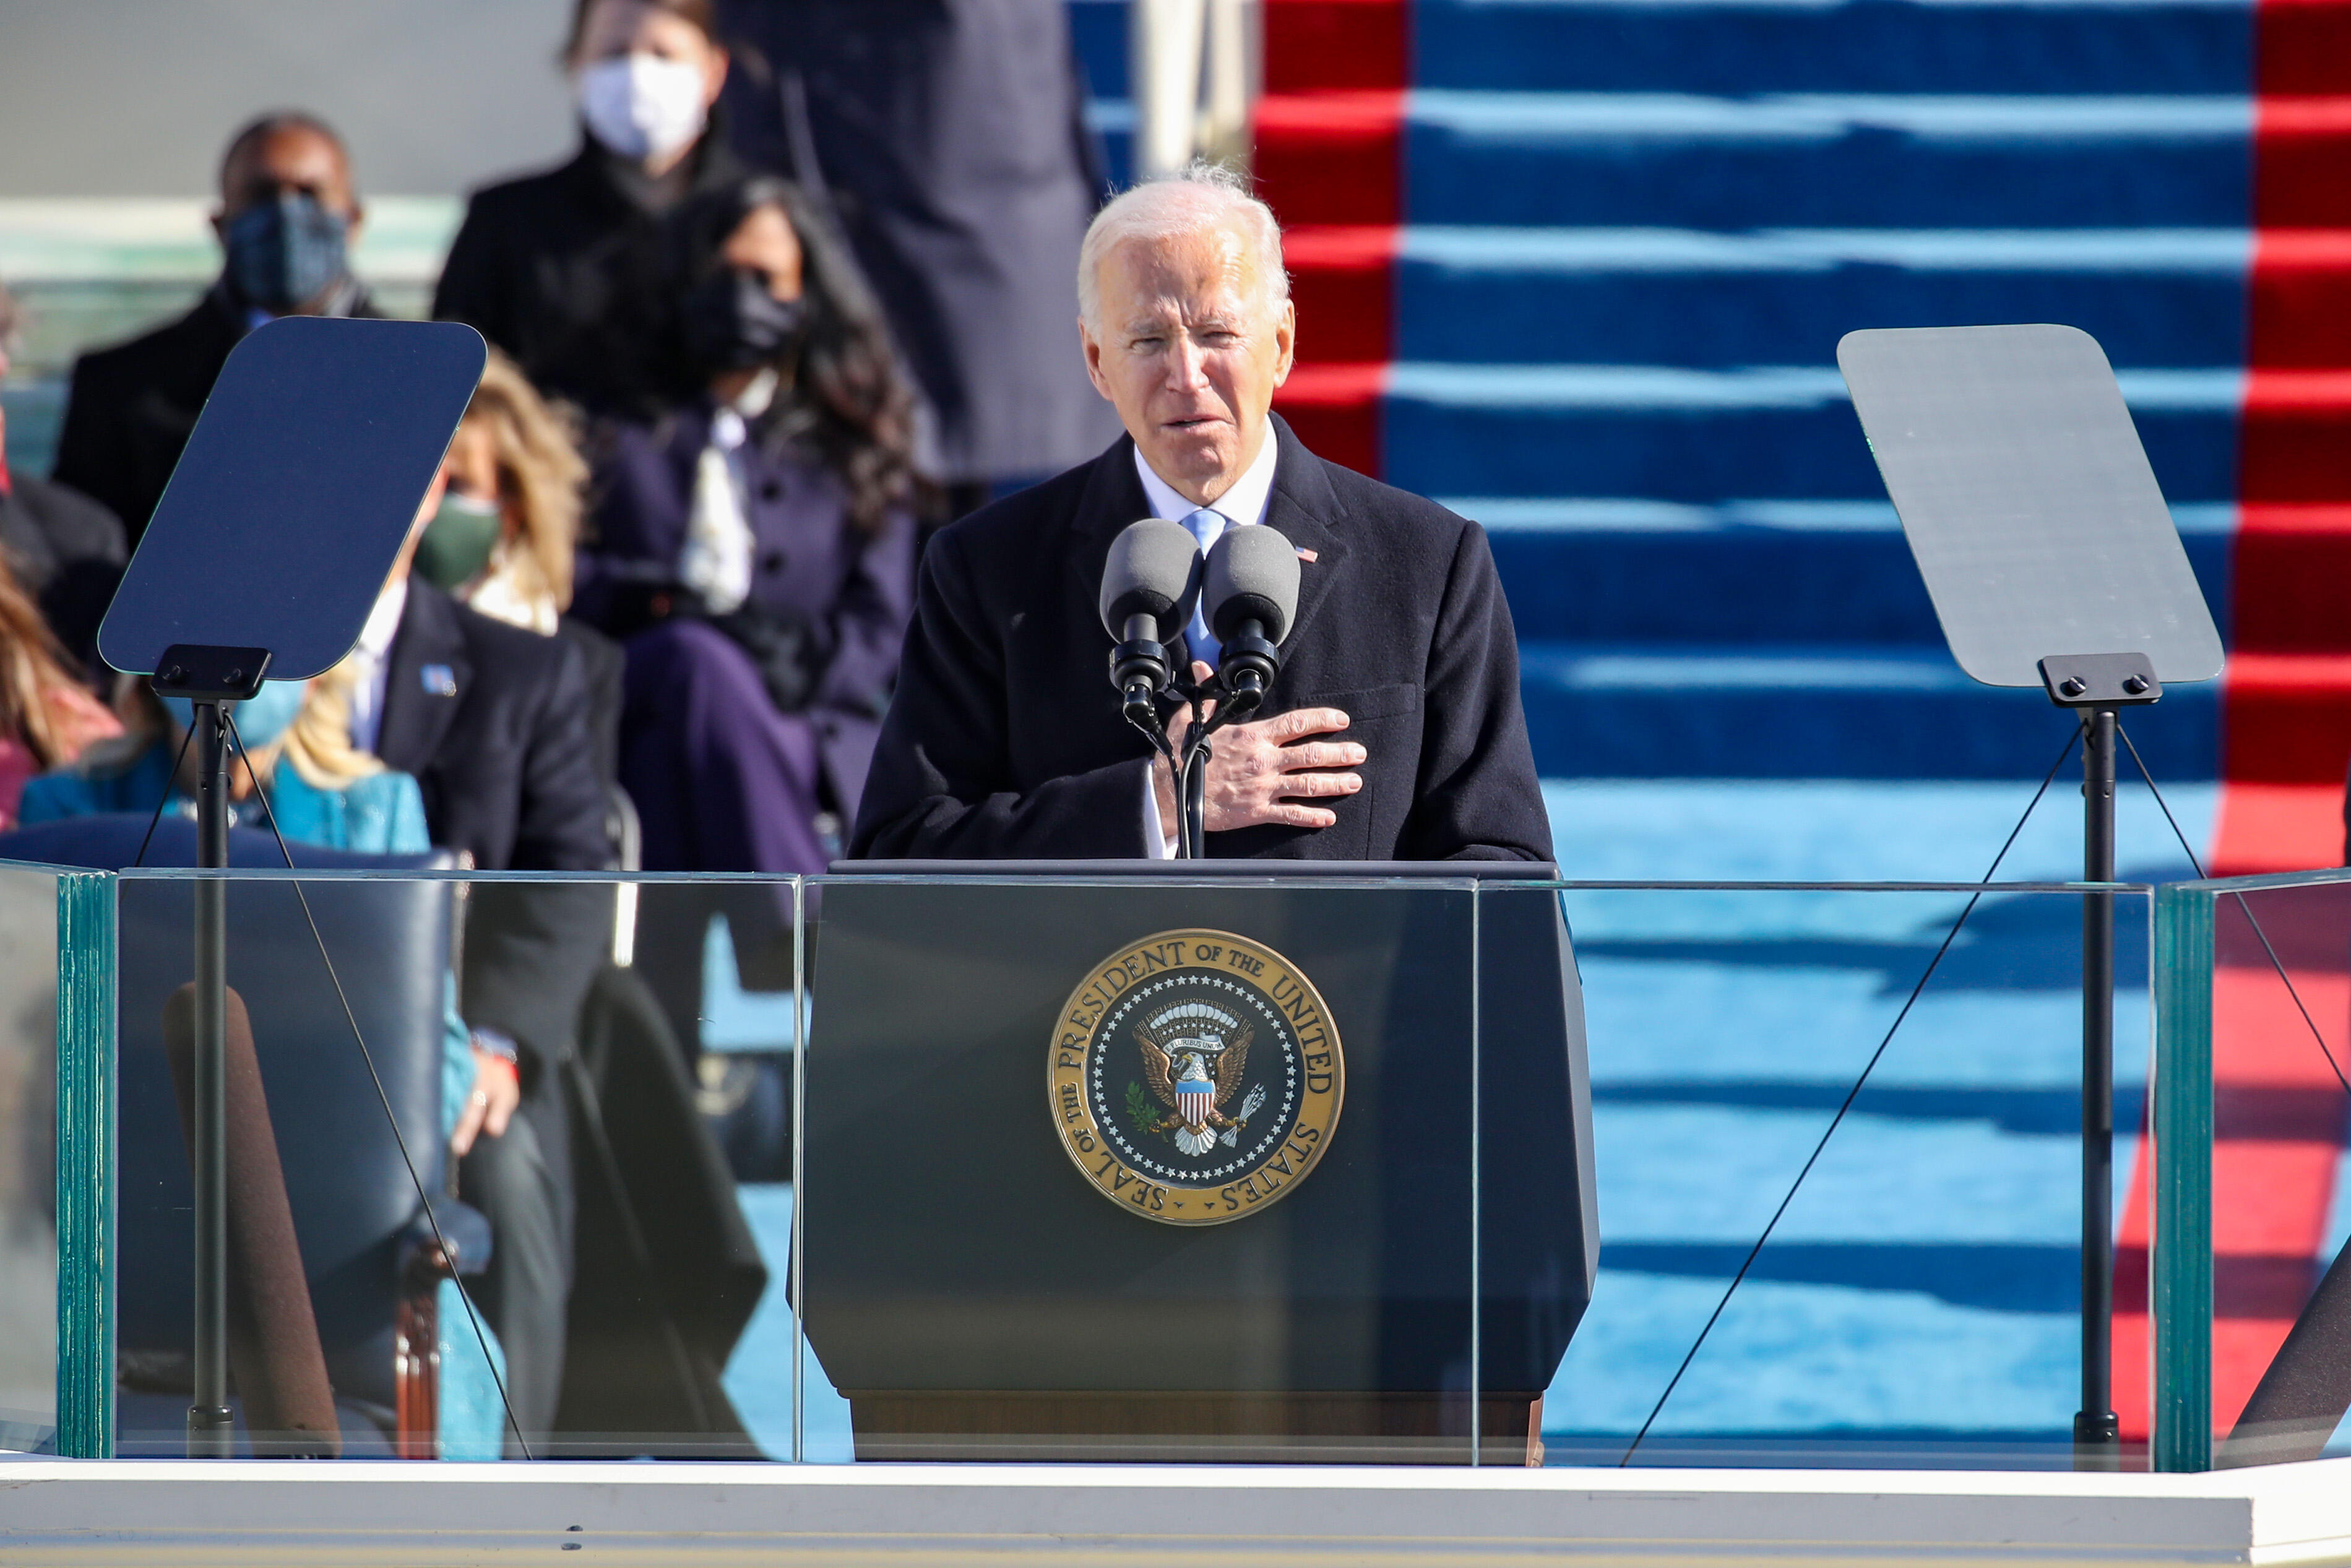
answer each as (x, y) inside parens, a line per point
(1200, 195)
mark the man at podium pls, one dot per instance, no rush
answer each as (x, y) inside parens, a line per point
(1393, 730)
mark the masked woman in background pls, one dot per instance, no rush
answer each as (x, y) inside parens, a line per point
(755, 548)
(564, 270)
(502, 540)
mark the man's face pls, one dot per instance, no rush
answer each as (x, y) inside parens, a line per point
(1190, 352)
(293, 159)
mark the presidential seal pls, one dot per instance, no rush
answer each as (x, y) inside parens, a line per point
(1195, 1077)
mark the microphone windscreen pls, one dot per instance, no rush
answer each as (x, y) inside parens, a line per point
(1252, 575)
(1153, 569)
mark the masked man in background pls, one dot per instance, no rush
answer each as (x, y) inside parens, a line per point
(288, 218)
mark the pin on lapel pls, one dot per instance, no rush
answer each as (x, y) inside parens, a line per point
(1307, 555)
(440, 680)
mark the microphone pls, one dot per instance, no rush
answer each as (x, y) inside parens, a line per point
(1251, 596)
(1149, 585)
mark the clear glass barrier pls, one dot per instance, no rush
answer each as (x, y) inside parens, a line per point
(601, 1276)
(1917, 1301)
(37, 907)
(2251, 1204)
(1272, 1167)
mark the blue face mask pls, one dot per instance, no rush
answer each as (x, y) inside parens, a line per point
(260, 721)
(284, 253)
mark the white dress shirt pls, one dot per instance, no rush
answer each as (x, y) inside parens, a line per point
(1245, 504)
(371, 664)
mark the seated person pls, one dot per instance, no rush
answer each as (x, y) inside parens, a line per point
(490, 721)
(502, 540)
(1392, 731)
(755, 549)
(320, 791)
(288, 218)
(48, 718)
(67, 549)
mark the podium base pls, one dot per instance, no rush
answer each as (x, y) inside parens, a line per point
(1302, 1429)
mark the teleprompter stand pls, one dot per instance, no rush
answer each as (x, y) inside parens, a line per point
(300, 484)
(2053, 561)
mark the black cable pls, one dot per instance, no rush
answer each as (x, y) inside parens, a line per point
(2198, 867)
(367, 1057)
(1851, 1094)
(169, 779)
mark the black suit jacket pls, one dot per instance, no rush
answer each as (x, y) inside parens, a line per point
(1005, 739)
(498, 739)
(133, 406)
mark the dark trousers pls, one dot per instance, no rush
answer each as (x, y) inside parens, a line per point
(521, 1180)
(722, 780)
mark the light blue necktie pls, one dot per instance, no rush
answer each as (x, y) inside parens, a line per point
(1207, 526)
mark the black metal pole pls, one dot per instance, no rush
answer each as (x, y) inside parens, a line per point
(2094, 1428)
(209, 1435)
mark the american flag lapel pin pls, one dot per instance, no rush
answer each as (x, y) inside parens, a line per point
(1307, 555)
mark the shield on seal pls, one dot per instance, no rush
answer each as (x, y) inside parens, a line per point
(1195, 1094)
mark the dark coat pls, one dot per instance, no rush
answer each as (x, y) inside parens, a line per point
(68, 551)
(951, 134)
(1006, 740)
(507, 767)
(572, 271)
(809, 565)
(502, 750)
(133, 406)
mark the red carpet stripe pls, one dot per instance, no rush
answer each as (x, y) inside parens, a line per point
(2286, 727)
(1329, 160)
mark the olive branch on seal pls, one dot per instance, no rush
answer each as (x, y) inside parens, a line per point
(1139, 1112)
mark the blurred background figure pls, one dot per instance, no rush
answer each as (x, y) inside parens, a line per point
(47, 716)
(288, 217)
(63, 547)
(755, 548)
(564, 270)
(501, 541)
(950, 137)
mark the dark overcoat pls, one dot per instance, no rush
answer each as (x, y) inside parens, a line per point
(572, 272)
(133, 406)
(1005, 740)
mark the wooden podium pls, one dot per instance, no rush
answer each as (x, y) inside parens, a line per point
(1158, 1161)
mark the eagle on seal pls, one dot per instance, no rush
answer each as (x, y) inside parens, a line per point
(1194, 1073)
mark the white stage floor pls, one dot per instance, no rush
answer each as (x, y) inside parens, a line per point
(122, 1511)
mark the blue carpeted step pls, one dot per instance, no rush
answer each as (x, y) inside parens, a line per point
(1657, 711)
(1664, 297)
(1596, 572)
(1706, 435)
(1826, 161)
(1826, 45)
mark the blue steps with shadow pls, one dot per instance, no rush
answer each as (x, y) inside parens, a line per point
(1647, 710)
(1692, 576)
(1826, 161)
(1702, 437)
(1826, 45)
(1687, 297)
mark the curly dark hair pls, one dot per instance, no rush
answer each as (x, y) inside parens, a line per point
(850, 402)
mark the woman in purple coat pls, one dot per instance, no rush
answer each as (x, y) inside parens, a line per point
(755, 548)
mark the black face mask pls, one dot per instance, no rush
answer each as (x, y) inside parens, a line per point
(284, 253)
(732, 322)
